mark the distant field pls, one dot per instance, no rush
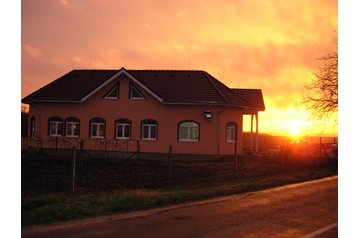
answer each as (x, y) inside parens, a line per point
(107, 186)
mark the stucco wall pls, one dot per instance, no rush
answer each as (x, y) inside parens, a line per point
(168, 117)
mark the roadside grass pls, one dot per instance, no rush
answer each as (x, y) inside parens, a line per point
(45, 208)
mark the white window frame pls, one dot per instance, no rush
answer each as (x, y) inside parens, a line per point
(97, 124)
(230, 130)
(189, 131)
(151, 126)
(56, 123)
(116, 87)
(132, 97)
(68, 123)
(123, 125)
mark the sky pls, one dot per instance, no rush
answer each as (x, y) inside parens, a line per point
(273, 45)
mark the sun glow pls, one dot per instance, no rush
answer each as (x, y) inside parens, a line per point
(294, 131)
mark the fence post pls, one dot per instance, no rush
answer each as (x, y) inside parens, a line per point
(74, 170)
(236, 162)
(81, 151)
(170, 164)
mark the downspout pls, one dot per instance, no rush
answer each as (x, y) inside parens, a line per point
(219, 129)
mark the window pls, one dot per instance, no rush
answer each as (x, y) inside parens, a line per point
(32, 127)
(113, 93)
(149, 130)
(188, 131)
(123, 129)
(134, 93)
(55, 126)
(230, 132)
(97, 128)
(72, 127)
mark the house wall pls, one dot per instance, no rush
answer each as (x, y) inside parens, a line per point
(228, 115)
(167, 116)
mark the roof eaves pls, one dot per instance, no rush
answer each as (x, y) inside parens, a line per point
(194, 103)
(56, 100)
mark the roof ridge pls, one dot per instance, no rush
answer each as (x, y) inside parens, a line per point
(208, 76)
(246, 88)
(95, 70)
(166, 70)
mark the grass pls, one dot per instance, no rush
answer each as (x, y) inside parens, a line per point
(48, 207)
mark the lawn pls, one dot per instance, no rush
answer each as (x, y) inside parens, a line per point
(110, 186)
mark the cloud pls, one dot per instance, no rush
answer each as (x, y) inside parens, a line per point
(32, 52)
(272, 45)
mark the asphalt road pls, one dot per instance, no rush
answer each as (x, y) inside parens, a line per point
(302, 210)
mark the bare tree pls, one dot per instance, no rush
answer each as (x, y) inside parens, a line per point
(322, 94)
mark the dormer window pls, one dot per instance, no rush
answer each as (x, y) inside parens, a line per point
(113, 93)
(134, 93)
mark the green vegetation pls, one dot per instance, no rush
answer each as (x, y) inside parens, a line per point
(48, 207)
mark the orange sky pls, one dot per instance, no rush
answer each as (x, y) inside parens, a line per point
(272, 45)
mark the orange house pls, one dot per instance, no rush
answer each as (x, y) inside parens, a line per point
(145, 110)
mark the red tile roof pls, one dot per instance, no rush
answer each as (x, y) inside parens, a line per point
(171, 86)
(253, 96)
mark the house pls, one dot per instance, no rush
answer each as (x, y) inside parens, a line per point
(126, 110)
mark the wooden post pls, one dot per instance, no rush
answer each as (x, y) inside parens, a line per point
(56, 143)
(170, 164)
(236, 162)
(74, 170)
(81, 151)
(251, 136)
(257, 132)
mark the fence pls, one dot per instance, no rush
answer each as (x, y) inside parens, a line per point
(80, 144)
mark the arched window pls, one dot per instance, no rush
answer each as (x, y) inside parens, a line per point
(149, 129)
(231, 132)
(123, 129)
(32, 127)
(55, 126)
(97, 128)
(72, 127)
(188, 131)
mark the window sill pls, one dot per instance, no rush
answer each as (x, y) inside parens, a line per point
(181, 140)
(136, 98)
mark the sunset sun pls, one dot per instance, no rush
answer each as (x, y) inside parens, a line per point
(294, 131)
